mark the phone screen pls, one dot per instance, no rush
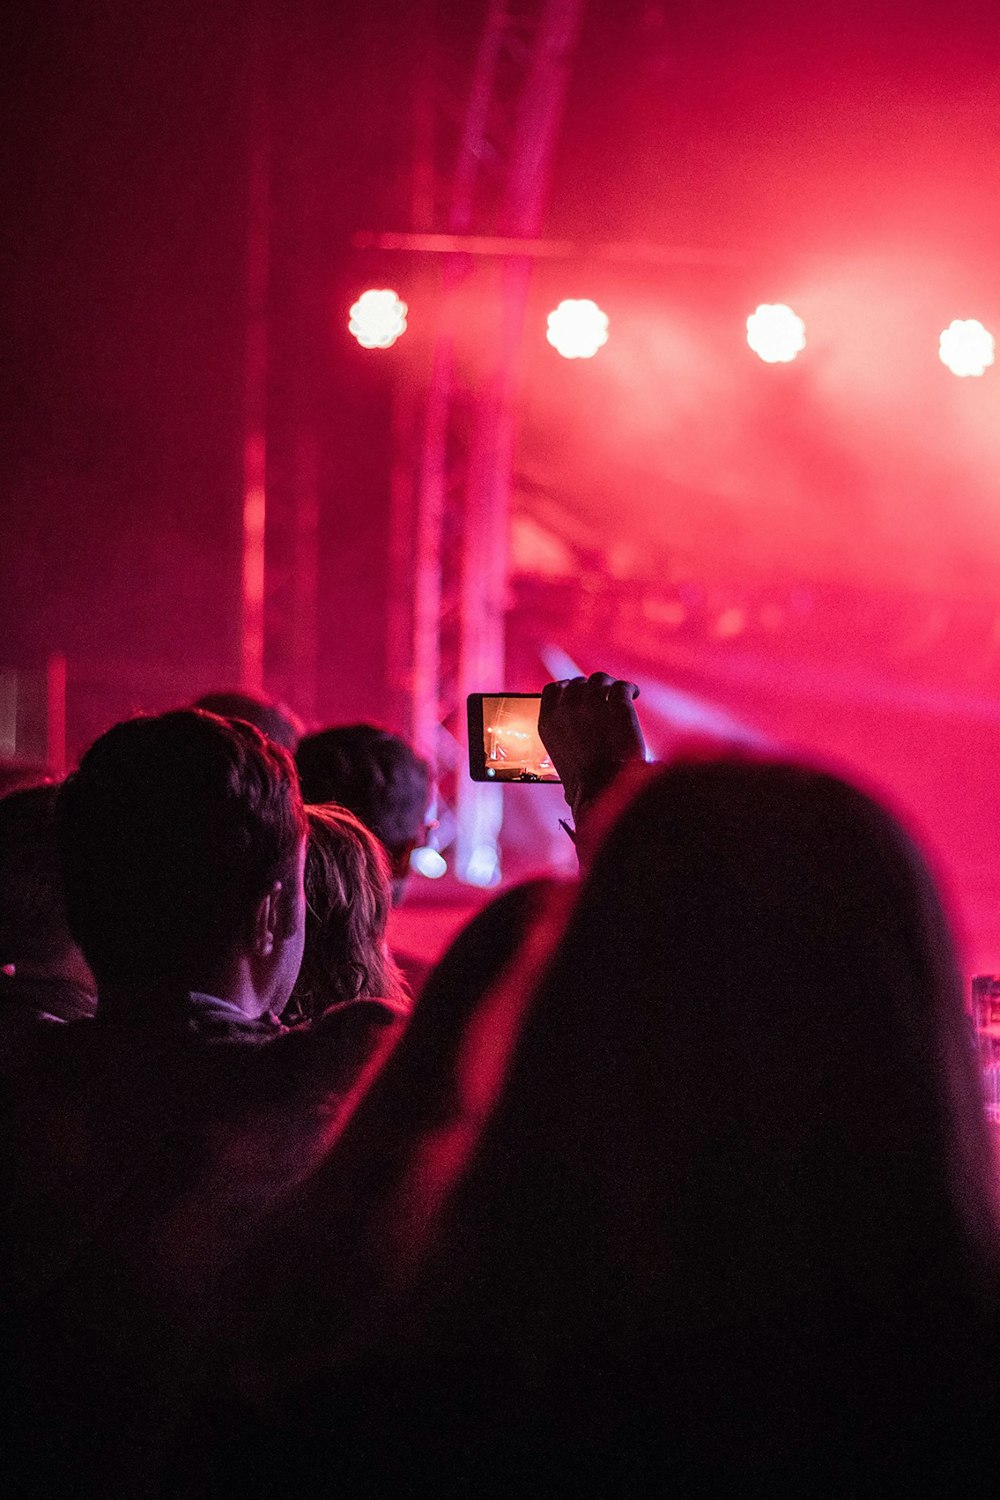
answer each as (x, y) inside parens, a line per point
(504, 744)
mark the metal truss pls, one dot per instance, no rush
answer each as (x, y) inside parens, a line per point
(451, 489)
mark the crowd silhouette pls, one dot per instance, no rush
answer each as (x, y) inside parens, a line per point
(671, 1179)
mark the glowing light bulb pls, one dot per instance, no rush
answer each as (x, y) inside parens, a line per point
(378, 318)
(577, 328)
(775, 333)
(484, 866)
(428, 862)
(966, 347)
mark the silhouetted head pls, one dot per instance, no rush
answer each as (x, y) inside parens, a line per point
(378, 777)
(348, 897)
(756, 1011)
(735, 1179)
(274, 720)
(183, 841)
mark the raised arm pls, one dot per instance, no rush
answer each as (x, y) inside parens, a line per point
(590, 728)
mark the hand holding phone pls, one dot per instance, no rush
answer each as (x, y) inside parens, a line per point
(582, 731)
(590, 728)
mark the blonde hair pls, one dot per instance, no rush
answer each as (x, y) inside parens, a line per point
(348, 897)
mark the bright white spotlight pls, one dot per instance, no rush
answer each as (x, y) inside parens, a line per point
(966, 347)
(378, 318)
(775, 333)
(484, 866)
(429, 862)
(577, 328)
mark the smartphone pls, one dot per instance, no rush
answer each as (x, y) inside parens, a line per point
(503, 739)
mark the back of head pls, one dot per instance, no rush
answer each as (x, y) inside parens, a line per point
(348, 897)
(722, 1212)
(171, 830)
(373, 773)
(32, 911)
(758, 979)
(740, 1135)
(274, 720)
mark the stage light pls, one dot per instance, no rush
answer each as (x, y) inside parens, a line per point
(966, 347)
(730, 623)
(577, 328)
(428, 862)
(775, 333)
(484, 866)
(378, 318)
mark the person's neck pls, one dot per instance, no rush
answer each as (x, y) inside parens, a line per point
(232, 983)
(236, 985)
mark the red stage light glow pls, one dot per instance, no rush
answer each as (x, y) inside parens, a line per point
(730, 623)
(966, 347)
(378, 318)
(775, 333)
(577, 328)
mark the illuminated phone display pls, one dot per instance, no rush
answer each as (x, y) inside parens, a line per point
(504, 743)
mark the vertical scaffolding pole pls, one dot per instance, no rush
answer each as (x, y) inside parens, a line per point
(258, 248)
(457, 615)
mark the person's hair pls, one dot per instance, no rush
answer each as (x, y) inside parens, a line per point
(275, 721)
(171, 831)
(348, 898)
(373, 773)
(32, 910)
(771, 936)
(737, 1192)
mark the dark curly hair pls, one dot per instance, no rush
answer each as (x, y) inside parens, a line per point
(373, 773)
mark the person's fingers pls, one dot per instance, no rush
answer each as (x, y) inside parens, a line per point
(552, 694)
(599, 684)
(612, 687)
(550, 712)
(574, 692)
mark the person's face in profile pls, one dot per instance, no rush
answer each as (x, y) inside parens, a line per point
(291, 935)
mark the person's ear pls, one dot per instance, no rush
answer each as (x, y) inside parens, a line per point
(267, 922)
